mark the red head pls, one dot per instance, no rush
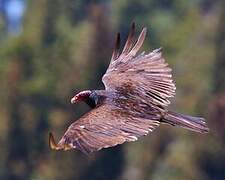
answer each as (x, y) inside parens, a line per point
(81, 96)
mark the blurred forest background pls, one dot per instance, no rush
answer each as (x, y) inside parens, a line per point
(51, 49)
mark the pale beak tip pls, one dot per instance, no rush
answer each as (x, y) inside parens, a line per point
(73, 100)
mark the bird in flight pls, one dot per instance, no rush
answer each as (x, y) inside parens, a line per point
(133, 103)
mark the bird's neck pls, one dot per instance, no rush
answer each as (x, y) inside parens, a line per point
(91, 102)
(96, 98)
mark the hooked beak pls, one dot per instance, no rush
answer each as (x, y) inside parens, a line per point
(73, 100)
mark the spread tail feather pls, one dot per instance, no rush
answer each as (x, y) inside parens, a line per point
(196, 124)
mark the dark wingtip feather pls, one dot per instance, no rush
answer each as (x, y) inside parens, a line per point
(130, 39)
(132, 29)
(139, 42)
(116, 47)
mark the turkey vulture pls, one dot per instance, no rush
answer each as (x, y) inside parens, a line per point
(137, 91)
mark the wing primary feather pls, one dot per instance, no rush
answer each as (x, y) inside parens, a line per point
(85, 142)
(139, 42)
(77, 144)
(94, 140)
(116, 48)
(130, 40)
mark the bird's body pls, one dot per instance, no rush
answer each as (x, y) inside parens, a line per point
(138, 88)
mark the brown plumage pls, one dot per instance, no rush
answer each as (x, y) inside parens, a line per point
(137, 91)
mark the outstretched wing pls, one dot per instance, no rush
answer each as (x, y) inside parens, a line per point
(147, 73)
(103, 127)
